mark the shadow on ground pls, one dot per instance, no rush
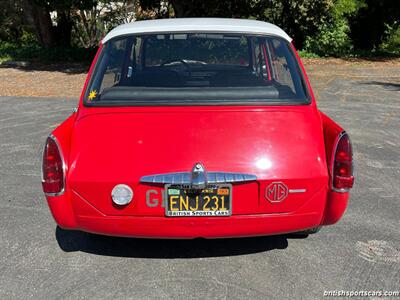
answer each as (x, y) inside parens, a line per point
(393, 86)
(70, 241)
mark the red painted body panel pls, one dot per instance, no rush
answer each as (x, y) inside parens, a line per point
(92, 220)
(106, 146)
(335, 207)
(239, 139)
(61, 206)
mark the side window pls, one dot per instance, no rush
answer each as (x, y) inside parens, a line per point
(280, 65)
(115, 59)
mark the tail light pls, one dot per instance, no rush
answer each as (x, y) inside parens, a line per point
(343, 178)
(52, 168)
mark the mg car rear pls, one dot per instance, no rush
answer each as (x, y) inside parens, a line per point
(197, 128)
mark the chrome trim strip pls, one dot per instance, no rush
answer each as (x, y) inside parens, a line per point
(340, 190)
(186, 177)
(293, 191)
(51, 136)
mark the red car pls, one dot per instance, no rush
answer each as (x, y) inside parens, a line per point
(197, 128)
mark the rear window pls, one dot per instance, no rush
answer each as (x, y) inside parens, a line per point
(196, 69)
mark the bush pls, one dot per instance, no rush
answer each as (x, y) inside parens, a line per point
(331, 40)
(28, 39)
(332, 36)
(306, 54)
(392, 44)
(32, 52)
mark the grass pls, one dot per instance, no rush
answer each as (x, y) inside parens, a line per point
(305, 54)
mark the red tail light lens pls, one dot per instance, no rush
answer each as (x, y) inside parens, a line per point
(343, 178)
(52, 168)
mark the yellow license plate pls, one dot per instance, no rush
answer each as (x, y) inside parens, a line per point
(213, 201)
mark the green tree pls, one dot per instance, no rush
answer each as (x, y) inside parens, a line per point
(13, 20)
(50, 34)
(300, 18)
(332, 37)
(369, 26)
(90, 24)
(205, 8)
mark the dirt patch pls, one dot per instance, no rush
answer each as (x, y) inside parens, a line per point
(365, 62)
(40, 83)
(67, 82)
(322, 72)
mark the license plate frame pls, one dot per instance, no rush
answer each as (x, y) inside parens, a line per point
(198, 213)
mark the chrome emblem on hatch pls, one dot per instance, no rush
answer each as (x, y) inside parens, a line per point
(276, 192)
(199, 177)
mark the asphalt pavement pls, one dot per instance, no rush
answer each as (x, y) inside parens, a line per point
(361, 252)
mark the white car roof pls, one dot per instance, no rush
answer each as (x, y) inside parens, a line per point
(197, 25)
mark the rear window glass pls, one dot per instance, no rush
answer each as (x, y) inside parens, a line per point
(200, 48)
(196, 68)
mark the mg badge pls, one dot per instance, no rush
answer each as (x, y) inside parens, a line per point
(276, 192)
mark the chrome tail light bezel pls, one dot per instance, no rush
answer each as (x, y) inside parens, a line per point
(61, 192)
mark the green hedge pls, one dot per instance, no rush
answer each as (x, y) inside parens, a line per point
(36, 54)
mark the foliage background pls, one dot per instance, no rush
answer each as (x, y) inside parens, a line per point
(69, 30)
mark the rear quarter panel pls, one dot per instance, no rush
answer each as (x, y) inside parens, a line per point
(336, 203)
(331, 133)
(61, 206)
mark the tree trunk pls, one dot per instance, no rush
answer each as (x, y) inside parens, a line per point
(184, 8)
(63, 29)
(43, 25)
(179, 8)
